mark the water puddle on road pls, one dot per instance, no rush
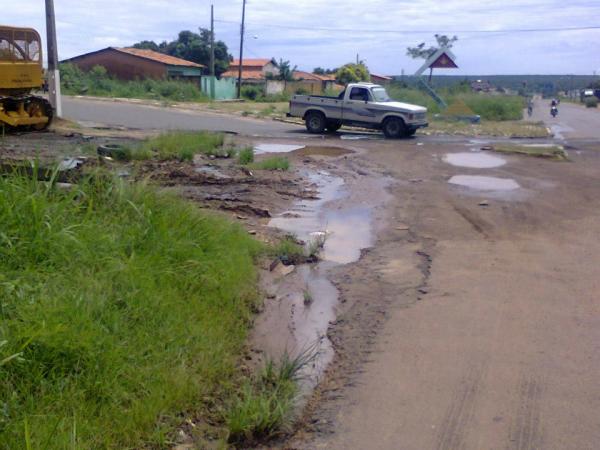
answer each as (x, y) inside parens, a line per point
(483, 183)
(474, 160)
(276, 148)
(348, 230)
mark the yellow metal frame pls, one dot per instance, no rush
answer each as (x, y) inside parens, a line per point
(20, 117)
(22, 73)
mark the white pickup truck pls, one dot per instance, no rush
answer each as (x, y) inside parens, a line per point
(361, 104)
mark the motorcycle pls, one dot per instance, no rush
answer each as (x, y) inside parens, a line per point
(554, 111)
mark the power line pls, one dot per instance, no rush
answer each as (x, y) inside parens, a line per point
(354, 30)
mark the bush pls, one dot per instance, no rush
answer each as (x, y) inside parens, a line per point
(489, 107)
(98, 83)
(183, 145)
(246, 156)
(265, 407)
(251, 92)
(120, 309)
(274, 163)
(591, 102)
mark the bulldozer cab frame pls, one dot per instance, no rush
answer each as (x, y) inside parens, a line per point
(20, 60)
(21, 72)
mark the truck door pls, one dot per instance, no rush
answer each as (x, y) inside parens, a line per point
(356, 106)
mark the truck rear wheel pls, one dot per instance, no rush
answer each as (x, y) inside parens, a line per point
(394, 128)
(315, 122)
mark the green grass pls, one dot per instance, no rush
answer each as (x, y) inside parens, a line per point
(97, 83)
(121, 310)
(487, 128)
(556, 152)
(489, 107)
(246, 156)
(264, 407)
(274, 163)
(183, 145)
(289, 251)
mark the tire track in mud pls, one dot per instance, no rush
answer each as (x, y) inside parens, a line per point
(526, 427)
(460, 412)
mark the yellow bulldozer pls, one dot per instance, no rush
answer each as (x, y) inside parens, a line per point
(21, 73)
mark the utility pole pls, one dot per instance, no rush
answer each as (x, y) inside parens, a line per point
(53, 73)
(212, 40)
(239, 91)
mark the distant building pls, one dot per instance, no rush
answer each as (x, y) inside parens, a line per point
(133, 63)
(253, 70)
(381, 79)
(481, 86)
(326, 81)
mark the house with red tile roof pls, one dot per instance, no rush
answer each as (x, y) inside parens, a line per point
(134, 63)
(254, 70)
(326, 81)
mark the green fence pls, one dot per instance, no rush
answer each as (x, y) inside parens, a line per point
(223, 89)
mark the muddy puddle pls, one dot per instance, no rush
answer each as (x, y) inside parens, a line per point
(309, 299)
(323, 151)
(261, 149)
(475, 160)
(484, 183)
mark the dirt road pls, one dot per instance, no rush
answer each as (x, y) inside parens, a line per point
(479, 327)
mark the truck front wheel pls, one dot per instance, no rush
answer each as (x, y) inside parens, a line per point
(315, 122)
(394, 128)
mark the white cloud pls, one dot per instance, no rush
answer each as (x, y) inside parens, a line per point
(87, 25)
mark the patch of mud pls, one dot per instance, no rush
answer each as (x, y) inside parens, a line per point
(323, 151)
(474, 160)
(306, 301)
(483, 183)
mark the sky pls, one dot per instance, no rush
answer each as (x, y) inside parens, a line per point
(317, 33)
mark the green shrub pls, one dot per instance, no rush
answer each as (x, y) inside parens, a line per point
(289, 251)
(246, 156)
(126, 307)
(183, 145)
(591, 102)
(98, 83)
(275, 98)
(265, 407)
(489, 107)
(251, 92)
(274, 163)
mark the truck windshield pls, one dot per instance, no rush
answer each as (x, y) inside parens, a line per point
(380, 95)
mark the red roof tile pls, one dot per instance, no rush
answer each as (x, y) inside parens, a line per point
(250, 62)
(246, 74)
(159, 57)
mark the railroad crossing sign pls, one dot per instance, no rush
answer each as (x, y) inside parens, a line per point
(441, 59)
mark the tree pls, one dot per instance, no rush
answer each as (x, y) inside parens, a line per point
(420, 52)
(352, 73)
(194, 47)
(321, 71)
(286, 72)
(147, 45)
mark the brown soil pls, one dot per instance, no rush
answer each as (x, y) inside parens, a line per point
(478, 326)
(472, 322)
